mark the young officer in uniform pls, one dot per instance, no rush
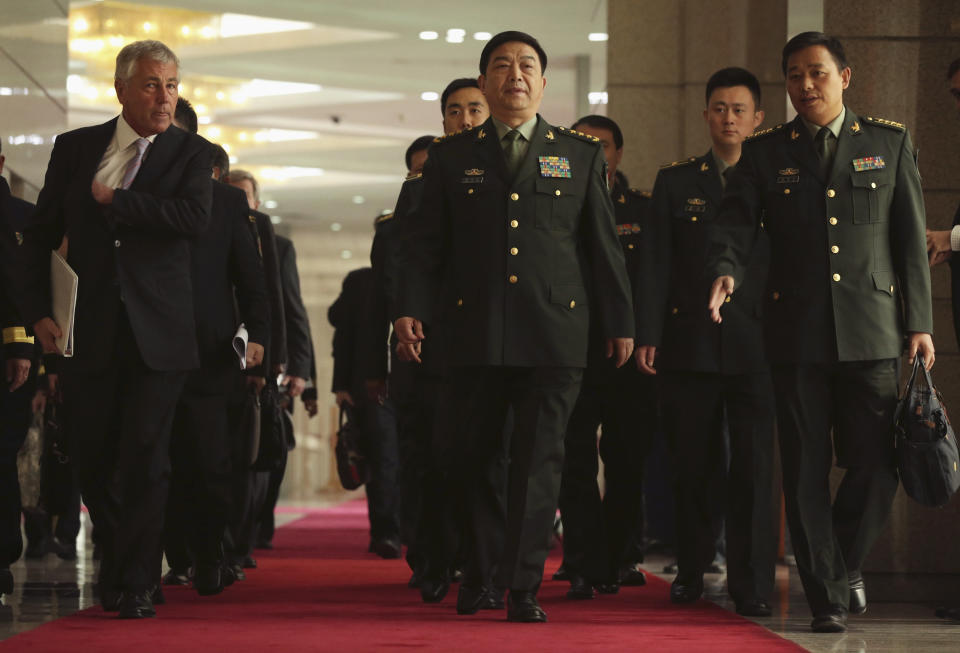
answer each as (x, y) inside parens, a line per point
(515, 223)
(838, 195)
(709, 371)
(595, 530)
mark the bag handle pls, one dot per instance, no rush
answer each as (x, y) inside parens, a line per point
(908, 388)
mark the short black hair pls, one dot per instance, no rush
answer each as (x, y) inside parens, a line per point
(421, 143)
(220, 160)
(602, 122)
(510, 37)
(728, 77)
(953, 69)
(806, 40)
(453, 87)
(185, 115)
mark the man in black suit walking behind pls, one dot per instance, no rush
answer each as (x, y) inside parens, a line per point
(130, 194)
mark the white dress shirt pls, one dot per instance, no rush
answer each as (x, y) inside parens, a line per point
(122, 148)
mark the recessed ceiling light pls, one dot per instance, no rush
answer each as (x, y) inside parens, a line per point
(455, 35)
(336, 226)
(345, 254)
(597, 97)
(430, 96)
(597, 36)
(270, 204)
(272, 88)
(276, 219)
(482, 36)
(359, 199)
(244, 25)
(429, 35)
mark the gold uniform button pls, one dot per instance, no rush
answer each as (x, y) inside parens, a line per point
(833, 221)
(727, 300)
(693, 219)
(572, 303)
(836, 277)
(831, 193)
(776, 295)
(469, 191)
(514, 251)
(459, 302)
(835, 249)
(514, 224)
(786, 191)
(557, 192)
(675, 311)
(512, 278)
(873, 184)
(514, 197)
(630, 246)
(891, 290)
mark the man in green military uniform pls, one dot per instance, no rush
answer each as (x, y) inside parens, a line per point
(839, 197)
(514, 225)
(596, 530)
(712, 373)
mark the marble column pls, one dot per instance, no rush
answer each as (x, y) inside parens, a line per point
(899, 51)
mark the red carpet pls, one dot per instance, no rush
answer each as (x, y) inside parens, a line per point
(320, 591)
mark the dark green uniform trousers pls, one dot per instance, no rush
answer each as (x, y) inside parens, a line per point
(857, 399)
(509, 543)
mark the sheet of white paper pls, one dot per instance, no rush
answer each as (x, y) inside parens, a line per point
(240, 340)
(63, 293)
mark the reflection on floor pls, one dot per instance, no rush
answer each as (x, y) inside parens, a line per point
(49, 588)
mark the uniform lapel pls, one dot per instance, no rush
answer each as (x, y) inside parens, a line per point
(544, 142)
(488, 150)
(802, 148)
(848, 145)
(708, 177)
(159, 157)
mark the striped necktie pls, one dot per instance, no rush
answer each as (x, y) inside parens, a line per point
(134, 165)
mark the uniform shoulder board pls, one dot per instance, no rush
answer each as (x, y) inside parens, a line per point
(764, 132)
(580, 135)
(676, 164)
(413, 177)
(645, 194)
(447, 137)
(889, 124)
(383, 218)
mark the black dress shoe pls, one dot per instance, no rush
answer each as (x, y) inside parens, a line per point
(631, 576)
(137, 605)
(176, 577)
(37, 548)
(686, 589)
(110, 599)
(267, 545)
(522, 607)
(470, 599)
(208, 579)
(156, 595)
(415, 579)
(580, 588)
(432, 590)
(64, 551)
(6, 581)
(493, 600)
(248, 563)
(607, 587)
(227, 575)
(561, 574)
(831, 620)
(858, 593)
(237, 571)
(388, 548)
(754, 608)
(456, 576)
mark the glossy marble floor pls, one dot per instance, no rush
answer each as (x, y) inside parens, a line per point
(50, 588)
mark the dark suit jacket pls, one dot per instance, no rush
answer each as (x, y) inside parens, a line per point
(133, 255)
(672, 309)
(848, 257)
(276, 344)
(225, 257)
(346, 315)
(515, 295)
(14, 215)
(299, 349)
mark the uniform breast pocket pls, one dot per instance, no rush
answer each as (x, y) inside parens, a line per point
(690, 215)
(871, 193)
(558, 204)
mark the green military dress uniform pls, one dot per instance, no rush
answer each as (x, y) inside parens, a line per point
(596, 531)
(710, 374)
(848, 276)
(505, 263)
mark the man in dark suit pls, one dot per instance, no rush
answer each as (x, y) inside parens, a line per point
(596, 531)
(838, 195)
(225, 265)
(712, 374)
(130, 194)
(515, 223)
(16, 364)
(942, 244)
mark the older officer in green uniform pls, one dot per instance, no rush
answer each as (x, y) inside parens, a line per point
(710, 373)
(514, 225)
(839, 198)
(596, 531)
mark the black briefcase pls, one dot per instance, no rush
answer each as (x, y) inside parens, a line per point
(352, 466)
(927, 455)
(273, 441)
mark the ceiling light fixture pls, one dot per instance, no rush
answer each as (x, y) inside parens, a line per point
(430, 96)
(245, 25)
(597, 36)
(429, 35)
(455, 35)
(482, 36)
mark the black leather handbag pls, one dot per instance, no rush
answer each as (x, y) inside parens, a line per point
(273, 440)
(352, 466)
(927, 455)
